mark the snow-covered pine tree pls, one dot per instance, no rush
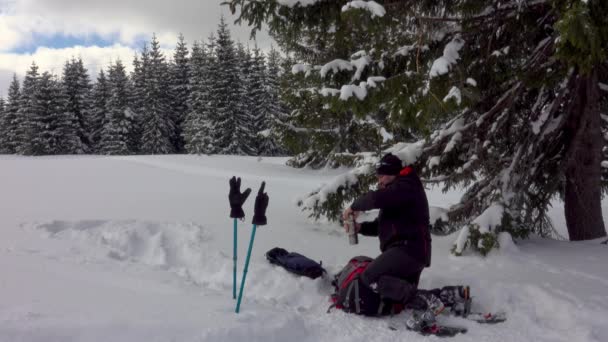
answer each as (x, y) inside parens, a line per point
(11, 118)
(270, 144)
(326, 124)
(99, 117)
(258, 97)
(198, 126)
(137, 96)
(3, 135)
(76, 91)
(179, 90)
(53, 128)
(157, 130)
(231, 128)
(247, 105)
(511, 90)
(117, 129)
(27, 112)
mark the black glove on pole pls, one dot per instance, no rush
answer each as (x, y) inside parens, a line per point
(259, 210)
(237, 198)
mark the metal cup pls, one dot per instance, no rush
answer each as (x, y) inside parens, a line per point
(353, 237)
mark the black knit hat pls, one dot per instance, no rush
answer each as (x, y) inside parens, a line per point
(389, 165)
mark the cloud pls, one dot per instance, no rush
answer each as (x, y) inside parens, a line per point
(129, 20)
(125, 22)
(48, 59)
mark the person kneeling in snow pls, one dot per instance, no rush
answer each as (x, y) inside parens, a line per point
(405, 242)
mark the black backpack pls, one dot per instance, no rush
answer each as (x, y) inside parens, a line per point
(351, 295)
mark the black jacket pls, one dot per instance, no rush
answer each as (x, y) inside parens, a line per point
(403, 218)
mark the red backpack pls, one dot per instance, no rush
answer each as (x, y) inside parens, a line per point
(351, 295)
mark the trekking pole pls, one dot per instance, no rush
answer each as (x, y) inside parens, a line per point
(238, 303)
(236, 199)
(234, 259)
(259, 219)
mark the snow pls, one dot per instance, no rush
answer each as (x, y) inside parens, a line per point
(490, 218)
(265, 133)
(455, 94)
(456, 138)
(335, 66)
(373, 81)
(360, 64)
(373, 7)
(329, 92)
(386, 136)
(442, 65)
(456, 126)
(407, 152)
(404, 50)
(436, 214)
(471, 82)
(538, 123)
(433, 161)
(603, 86)
(139, 248)
(301, 68)
(348, 90)
(292, 3)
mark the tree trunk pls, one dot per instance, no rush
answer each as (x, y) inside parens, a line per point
(584, 155)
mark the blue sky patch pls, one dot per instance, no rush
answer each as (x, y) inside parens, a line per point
(60, 41)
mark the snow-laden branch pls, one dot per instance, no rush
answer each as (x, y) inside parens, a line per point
(373, 7)
(293, 3)
(349, 90)
(306, 130)
(443, 64)
(335, 66)
(486, 222)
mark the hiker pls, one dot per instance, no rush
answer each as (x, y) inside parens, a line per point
(405, 240)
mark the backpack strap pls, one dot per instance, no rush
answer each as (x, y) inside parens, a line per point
(357, 305)
(380, 307)
(348, 291)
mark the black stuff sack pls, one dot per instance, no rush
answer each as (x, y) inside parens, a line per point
(295, 263)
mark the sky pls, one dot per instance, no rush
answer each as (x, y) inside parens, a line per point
(52, 31)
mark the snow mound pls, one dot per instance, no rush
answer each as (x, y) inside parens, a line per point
(179, 247)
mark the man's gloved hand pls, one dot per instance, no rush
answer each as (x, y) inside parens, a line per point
(237, 198)
(261, 203)
(349, 214)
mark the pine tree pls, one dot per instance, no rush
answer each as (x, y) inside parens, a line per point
(269, 132)
(25, 132)
(179, 91)
(503, 97)
(3, 128)
(230, 123)
(117, 130)
(11, 121)
(137, 97)
(157, 129)
(52, 126)
(198, 127)
(327, 125)
(246, 104)
(258, 98)
(99, 117)
(76, 88)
